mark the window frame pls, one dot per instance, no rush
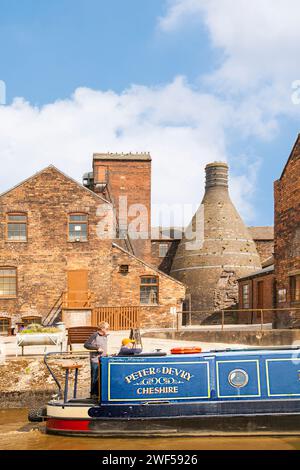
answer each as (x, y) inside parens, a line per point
(86, 223)
(23, 214)
(8, 321)
(10, 268)
(246, 305)
(149, 285)
(165, 245)
(293, 289)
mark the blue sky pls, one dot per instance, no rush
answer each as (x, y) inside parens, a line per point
(192, 86)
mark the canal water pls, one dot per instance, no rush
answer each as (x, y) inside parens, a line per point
(17, 434)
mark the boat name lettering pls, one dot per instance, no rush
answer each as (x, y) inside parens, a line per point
(156, 390)
(173, 371)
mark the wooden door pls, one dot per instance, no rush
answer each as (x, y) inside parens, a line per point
(77, 295)
(260, 294)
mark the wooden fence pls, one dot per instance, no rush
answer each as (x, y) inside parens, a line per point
(119, 318)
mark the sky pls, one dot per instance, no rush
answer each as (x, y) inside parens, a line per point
(191, 81)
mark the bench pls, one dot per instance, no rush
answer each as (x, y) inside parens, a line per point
(79, 335)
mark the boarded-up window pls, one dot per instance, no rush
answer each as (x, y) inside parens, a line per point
(149, 290)
(101, 175)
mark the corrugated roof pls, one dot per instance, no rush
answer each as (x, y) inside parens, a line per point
(143, 156)
(262, 233)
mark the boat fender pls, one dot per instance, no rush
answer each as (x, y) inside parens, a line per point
(37, 415)
(193, 350)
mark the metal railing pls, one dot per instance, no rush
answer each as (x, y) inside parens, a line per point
(261, 317)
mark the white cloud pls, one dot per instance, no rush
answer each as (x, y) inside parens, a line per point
(259, 39)
(182, 128)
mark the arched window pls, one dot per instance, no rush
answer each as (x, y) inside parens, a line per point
(17, 227)
(78, 227)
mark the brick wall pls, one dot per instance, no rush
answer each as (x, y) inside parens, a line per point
(126, 289)
(44, 260)
(42, 263)
(130, 178)
(164, 264)
(265, 249)
(287, 227)
(267, 301)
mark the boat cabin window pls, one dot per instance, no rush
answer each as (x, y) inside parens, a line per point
(238, 378)
(149, 290)
(78, 227)
(295, 288)
(8, 282)
(246, 296)
(17, 227)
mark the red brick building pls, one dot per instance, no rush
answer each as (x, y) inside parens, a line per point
(278, 285)
(50, 245)
(287, 238)
(257, 292)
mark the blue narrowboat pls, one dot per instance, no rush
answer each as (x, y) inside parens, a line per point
(253, 391)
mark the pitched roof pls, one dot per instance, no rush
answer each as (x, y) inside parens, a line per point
(115, 245)
(261, 272)
(143, 156)
(268, 262)
(262, 233)
(58, 171)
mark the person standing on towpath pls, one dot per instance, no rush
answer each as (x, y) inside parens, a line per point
(98, 344)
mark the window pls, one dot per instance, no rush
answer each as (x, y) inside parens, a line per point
(78, 228)
(149, 290)
(163, 250)
(246, 296)
(238, 378)
(124, 269)
(281, 296)
(4, 326)
(31, 320)
(8, 282)
(17, 227)
(295, 288)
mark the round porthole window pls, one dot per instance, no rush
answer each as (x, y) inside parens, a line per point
(238, 378)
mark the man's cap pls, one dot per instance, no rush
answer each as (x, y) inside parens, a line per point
(126, 341)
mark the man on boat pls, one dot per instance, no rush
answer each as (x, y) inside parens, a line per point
(98, 344)
(128, 348)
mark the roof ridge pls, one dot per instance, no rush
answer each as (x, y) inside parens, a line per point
(35, 175)
(114, 244)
